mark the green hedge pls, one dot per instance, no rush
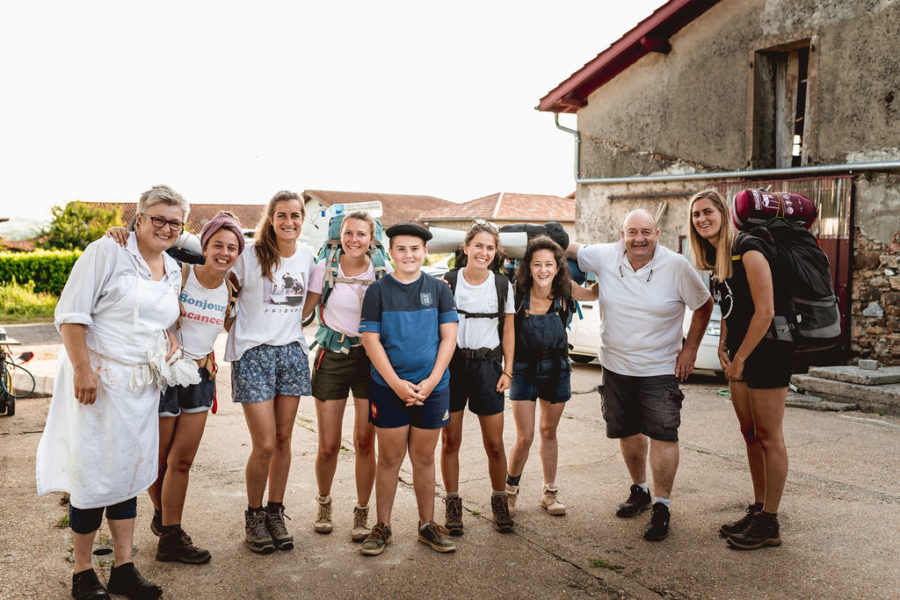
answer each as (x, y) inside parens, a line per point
(48, 269)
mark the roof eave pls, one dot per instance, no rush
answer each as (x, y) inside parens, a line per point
(650, 35)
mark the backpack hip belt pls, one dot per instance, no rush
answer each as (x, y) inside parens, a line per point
(330, 339)
(481, 353)
(208, 362)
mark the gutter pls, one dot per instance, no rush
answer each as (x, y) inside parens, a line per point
(774, 173)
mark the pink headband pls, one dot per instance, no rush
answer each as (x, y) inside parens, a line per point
(222, 221)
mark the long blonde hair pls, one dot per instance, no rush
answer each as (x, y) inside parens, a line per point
(266, 245)
(700, 247)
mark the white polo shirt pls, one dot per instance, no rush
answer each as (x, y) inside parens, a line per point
(641, 312)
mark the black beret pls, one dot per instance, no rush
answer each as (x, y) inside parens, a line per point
(413, 229)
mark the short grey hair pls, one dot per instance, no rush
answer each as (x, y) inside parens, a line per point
(163, 194)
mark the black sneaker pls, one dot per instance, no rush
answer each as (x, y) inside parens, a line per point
(763, 531)
(453, 514)
(156, 522)
(126, 580)
(658, 527)
(176, 546)
(729, 529)
(638, 501)
(86, 586)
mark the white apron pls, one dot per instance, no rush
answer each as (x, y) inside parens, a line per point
(106, 452)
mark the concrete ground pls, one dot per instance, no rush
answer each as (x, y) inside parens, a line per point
(840, 515)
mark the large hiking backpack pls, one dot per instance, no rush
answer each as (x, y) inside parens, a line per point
(814, 322)
(331, 252)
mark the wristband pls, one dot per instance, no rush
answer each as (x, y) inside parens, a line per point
(507, 374)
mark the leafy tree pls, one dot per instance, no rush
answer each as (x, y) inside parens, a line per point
(79, 224)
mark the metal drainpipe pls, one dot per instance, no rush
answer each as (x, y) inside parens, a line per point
(777, 173)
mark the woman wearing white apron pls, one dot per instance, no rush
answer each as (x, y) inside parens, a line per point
(100, 442)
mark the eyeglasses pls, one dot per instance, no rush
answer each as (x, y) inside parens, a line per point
(484, 223)
(159, 223)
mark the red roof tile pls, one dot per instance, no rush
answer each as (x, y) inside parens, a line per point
(248, 214)
(397, 208)
(17, 246)
(507, 207)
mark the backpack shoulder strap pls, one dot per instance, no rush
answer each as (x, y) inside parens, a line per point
(185, 273)
(234, 290)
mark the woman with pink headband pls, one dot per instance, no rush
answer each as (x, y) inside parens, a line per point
(207, 307)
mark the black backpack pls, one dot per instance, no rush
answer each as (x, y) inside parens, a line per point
(501, 282)
(814, 322)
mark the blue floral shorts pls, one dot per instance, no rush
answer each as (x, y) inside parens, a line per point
(266, 371)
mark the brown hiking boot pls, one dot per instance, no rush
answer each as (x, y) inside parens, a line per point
(739, 526)
(176, 546)
(763, 531)
(502, 520)
(275, 521)
(360, 523)
(454, 515)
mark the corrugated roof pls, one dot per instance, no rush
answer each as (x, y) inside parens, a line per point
(507, 206)
(397, 207)
(650, 35)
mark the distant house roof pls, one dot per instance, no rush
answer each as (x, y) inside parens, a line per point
(650, 35)
(248, 214)
(397, 207)
(17, 246)
(506, 206)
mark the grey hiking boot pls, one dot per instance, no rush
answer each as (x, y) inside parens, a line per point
(275, 519)
(453, 514)
(323, 522)
(258, 537)
(502, 520)
(378, 538)
(436, 537)
(360, 523)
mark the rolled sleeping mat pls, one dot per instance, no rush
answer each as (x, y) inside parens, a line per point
(187, 249)
(752, 207)
(448, 240)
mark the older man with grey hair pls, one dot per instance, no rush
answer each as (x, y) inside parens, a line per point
(644, 288)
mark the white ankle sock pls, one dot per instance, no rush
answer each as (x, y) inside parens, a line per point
(644, 487)
(665, 501)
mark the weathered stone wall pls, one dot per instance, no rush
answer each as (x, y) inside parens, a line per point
(875, 306)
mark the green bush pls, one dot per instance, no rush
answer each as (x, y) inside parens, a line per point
(21, 301)
(47, 269)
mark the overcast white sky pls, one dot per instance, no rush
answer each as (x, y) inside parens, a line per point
(230, 102)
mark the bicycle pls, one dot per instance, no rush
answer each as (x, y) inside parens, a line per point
(9, 365)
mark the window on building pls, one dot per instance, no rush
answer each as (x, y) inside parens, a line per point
(780, 135)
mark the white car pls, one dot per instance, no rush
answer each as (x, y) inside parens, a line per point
(584, 337)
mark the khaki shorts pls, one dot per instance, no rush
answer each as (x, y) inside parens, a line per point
(335, 374)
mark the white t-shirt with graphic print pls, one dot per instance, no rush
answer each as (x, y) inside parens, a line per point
(203, 319)
(270, 310)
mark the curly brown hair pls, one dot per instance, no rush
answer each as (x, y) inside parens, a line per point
(562, 282)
